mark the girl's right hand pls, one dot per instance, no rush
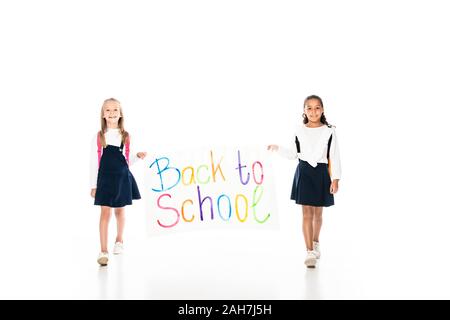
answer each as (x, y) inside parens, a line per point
(93, 192)
(272, 147)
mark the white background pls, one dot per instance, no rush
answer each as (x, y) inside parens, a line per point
(199, 73)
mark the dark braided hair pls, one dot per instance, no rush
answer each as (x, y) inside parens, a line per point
(322, 118)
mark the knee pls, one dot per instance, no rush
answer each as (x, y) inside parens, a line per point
(308, 214)
(119, 213)
(317, 217)
(307, 218)
(105, 215)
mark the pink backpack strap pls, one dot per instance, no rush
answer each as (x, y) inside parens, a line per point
(127, 149)
(99, 148)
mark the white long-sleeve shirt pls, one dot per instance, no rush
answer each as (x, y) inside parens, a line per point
(314, 146)
(113, 138)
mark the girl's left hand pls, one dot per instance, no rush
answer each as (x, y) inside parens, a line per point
(334, 186)
(141, 155)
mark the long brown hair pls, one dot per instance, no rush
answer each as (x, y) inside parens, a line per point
(104, 126)
(322, 117)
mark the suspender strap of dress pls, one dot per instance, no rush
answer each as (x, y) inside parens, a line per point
(100, 149)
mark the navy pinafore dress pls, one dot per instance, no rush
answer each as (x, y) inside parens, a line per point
(116, 186)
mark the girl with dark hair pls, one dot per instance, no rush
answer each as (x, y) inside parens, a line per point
(318, 172)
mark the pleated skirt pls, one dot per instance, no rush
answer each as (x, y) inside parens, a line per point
(311, 185)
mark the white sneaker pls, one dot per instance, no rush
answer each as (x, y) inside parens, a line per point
(316, 248)
(118, 248)
(103, 258)
(310, 260)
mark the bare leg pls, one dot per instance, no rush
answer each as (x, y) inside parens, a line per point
(120, 218)
(317, 223)
(308, 214)
(105, 216)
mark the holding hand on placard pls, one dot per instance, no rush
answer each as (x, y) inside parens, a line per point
(112, 183)
(318, 173)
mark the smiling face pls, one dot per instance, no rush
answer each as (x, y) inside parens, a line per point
(313, 110)
(112, 113)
